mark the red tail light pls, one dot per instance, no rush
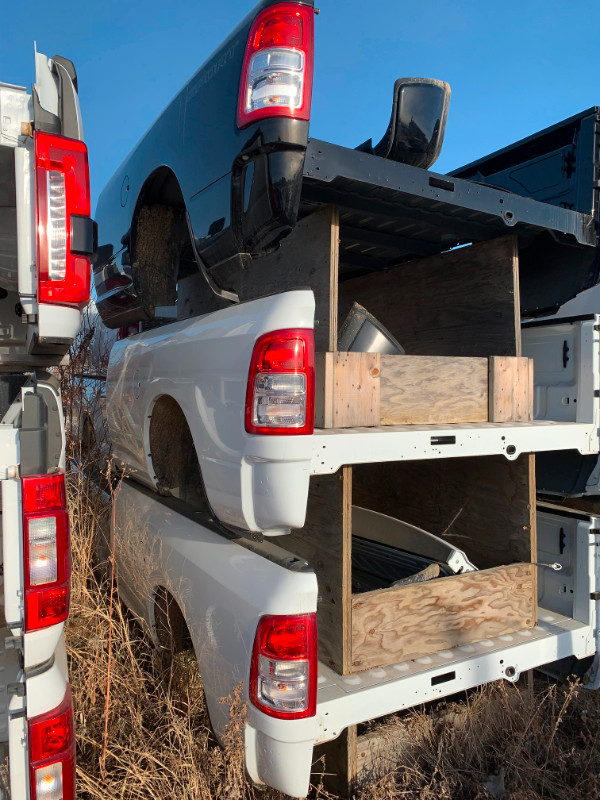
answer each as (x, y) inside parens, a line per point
(64, 227)
(46, 549)
(281, 383)
(52, 753)
(278, 66)
(283, 673)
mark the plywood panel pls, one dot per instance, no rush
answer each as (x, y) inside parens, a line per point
(335, 763)
(511, 389)
(433, 389)
(325, 542)
(461, 303)
(307, 258)
(347, 390)
(483, 505)
(396, 625)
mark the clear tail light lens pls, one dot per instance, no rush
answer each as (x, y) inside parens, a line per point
(280, 393)
(52, 753)
(46, 550)
(64, 227)
(283, 673)
(278, 65)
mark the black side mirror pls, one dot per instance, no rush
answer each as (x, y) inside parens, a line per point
(417, 125)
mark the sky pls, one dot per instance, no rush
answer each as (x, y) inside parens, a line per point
(515, 67)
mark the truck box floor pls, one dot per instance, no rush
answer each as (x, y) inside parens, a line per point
(391, 212)
(334, 447)
(352, 699)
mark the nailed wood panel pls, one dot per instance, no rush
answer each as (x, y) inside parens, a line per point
(335, 763)
(511, 389)
(433, 389)
(461, 303)
(347, 390)
(395, 625)
(483, 505)
(324, 390)
(325, 542)
(307, 258)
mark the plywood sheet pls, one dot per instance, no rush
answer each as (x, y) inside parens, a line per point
(433, 389)
(306, 259)
(347, 390)
(461, 303)
(400, 624)
(484, 505)
(325, 542)
(511, 389)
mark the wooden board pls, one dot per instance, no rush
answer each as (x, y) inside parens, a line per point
(347, 390)
(484, 505)
(335, 763)
(306, 259)
(367, 389)
(433, 389)
(325, 542)
(511, 389)
(461, 303)
(398, 624)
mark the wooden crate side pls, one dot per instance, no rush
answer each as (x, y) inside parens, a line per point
(433, 389)
(346, 390)
(335, 763)
(510, 389)
(325, 542)
(398, 624)
(324, 392)
(307, 258)
(461, 303)
(483, 505)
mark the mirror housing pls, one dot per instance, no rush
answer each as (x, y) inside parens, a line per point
(417, 124)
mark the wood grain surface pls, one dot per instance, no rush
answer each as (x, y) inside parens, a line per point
(484, 505)
(325, 542)
(395, 625)
(461, 303)
(433, 389)
(347, 390)
(306, 259)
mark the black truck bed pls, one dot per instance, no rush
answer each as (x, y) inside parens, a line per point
(392, 212)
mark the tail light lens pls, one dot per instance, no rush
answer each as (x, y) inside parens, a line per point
(52, 753)
(278, 66)
(46, 551)
(281, 383)
(283, 673)
(64, 227)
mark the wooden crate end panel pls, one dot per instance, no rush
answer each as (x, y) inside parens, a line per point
(511, 389)
(400, 624)
(347, 390)
(425, 390)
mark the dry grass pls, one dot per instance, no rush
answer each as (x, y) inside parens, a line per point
(143, 729)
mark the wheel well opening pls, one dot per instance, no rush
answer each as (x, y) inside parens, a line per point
(173, 454)
(160, 248)
(172, 631)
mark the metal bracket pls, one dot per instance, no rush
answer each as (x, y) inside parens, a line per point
(594, 595)
(13, 643)
(223, 293)
(17, 689)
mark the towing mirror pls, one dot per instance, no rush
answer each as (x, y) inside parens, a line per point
(417, 125)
